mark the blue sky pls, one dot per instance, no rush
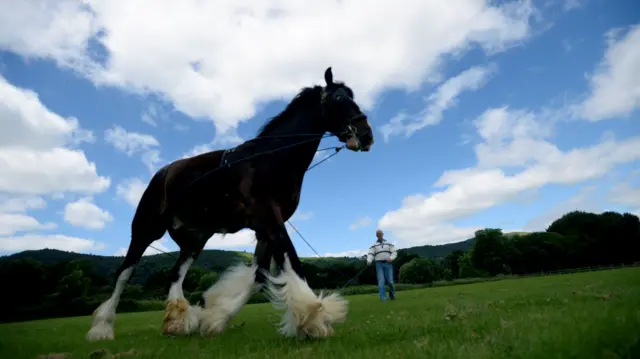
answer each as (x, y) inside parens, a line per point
(504, 114)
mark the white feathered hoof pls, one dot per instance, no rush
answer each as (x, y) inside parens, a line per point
(102, 323)
(180, 318)
(225, 298)
(306, 315)
(212, 322)
(316, 321)
(100, 331)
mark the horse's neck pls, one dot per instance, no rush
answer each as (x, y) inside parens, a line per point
(300, 150)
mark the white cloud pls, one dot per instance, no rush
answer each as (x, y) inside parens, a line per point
(47, 172)
(54, 241)
(510, 139)
(584, 200)
(615, 85)
(426, 219)
(198, 149)
(20, 204)
(438, 102)
(26, 123)
(11, 223)
(514, 138)
(130, 143)
(301, 216)
(150, 115)
(520, 141)
(572, 4)
(241, 239)
(36, 154)
(152, 160)
(626, 195)
(354, 253)
(361, 222)
(38, 159)
(131, 190)
(172, 57)
(227, 140)
(86, 214)
(157, 247)
(133, 143)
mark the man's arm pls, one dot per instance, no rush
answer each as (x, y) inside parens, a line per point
(394, 254)
(370, 255)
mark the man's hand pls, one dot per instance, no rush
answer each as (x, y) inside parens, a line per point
(389, 260)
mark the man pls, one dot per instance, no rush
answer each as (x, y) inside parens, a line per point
(383, 253)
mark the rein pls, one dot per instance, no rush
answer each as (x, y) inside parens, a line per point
(337, 148)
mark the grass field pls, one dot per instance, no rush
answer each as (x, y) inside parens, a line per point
(586, 315)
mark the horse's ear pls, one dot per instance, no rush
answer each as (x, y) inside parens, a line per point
(328, 76)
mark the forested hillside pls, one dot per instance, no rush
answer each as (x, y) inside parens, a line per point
(50, 283)
(211, 259)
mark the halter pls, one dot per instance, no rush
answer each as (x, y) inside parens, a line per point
(349, 130)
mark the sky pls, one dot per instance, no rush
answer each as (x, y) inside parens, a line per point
(502, 114)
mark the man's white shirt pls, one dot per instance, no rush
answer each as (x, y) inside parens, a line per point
(381, 251)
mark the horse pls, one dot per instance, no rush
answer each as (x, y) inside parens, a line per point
(255, 185)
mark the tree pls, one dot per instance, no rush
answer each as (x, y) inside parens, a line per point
(451, 263)
(489, 251)
(418, 270)
(207, 280)
(73, 285)
(404, 256)
(467, 270)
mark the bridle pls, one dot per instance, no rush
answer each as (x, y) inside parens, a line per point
(349, 130)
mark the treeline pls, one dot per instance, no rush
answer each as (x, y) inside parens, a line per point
(49, 283)
(577, 239)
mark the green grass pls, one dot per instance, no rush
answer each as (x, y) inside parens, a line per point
(586, 315)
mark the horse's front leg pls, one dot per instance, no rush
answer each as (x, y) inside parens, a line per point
(306, 314)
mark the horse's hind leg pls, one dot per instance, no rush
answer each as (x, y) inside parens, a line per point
(147, 226)
(142, 235)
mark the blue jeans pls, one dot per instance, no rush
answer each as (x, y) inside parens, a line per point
(384, 271)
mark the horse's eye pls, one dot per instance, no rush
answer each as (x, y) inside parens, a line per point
(338, 97)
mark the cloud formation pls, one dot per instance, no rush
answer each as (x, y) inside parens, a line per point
(615, 85)
(515, 155)
(86, 214)
(213, 74)
(438, 102)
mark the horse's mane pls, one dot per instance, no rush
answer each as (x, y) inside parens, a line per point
(306, 97)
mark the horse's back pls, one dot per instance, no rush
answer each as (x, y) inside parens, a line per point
(202, 177)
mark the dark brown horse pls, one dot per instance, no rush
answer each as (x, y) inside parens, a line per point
(255, 185)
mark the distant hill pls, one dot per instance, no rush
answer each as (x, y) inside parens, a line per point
(442, 250)
(212, 259)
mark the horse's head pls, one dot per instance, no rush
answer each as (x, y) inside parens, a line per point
(343, 115)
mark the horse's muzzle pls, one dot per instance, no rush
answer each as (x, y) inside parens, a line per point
(366, 141)
(359, 143)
